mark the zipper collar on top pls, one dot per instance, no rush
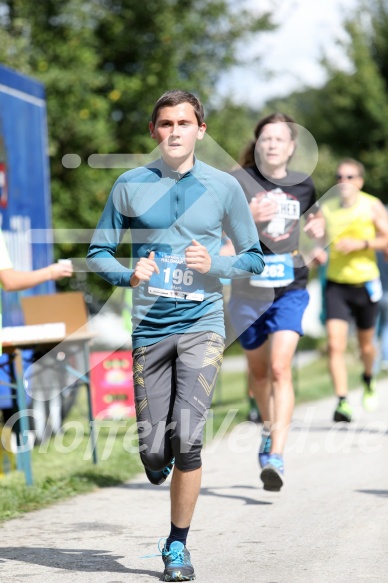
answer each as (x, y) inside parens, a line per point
(168, 172)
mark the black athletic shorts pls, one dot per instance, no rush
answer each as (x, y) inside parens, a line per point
(344, 301)
(174, 383)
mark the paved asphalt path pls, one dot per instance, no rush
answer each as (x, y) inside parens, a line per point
(329, 524)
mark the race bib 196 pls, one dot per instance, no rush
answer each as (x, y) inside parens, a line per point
(175, 280)
(278, 272)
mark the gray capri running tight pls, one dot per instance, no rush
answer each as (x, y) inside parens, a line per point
(174, 383)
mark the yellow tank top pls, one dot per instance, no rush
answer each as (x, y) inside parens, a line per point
(354, 222)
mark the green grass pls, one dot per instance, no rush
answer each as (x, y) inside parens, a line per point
(312, 382)
(60, 473)
(234, 349)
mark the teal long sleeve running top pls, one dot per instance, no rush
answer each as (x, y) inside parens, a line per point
(165, 211)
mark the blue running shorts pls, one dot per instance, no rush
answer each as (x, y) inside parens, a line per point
(254, 320)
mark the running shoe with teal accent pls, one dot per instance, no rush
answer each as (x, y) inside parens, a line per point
(265, 448)
(157, 478)
(343, 412)
(177, 563)
(272, 474)
(369, 397)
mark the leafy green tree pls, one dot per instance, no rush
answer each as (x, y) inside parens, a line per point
(150, 47)
(349, 115)
(104, 63)
(231, 127)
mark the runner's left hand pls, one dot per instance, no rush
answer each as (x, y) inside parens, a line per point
(315, 226)
(197, 257)
(347, 245)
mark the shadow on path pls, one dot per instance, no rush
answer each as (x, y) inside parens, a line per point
(341, 427)
(382, 493)
(83, 561)
(208, 491)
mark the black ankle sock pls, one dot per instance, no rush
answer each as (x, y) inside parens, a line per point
(367, 378)
(342, 399)
(179, 534)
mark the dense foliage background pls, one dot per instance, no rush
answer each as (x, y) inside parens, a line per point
(105, 62)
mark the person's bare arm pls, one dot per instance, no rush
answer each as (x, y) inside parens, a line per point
(380, 220)
(12, 280)
(315, 226)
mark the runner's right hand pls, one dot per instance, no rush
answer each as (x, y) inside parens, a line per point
(263, 209)
(144, 269)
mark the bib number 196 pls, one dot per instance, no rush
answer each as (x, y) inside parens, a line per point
(178, 276)
(174, 281)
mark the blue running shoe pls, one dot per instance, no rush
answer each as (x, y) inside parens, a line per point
(265, 448)
(177, 564)
(157, 478)
(272, 474)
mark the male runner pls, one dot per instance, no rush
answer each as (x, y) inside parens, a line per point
(356, 227)
(176, 209)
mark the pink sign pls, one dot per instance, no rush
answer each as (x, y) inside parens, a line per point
(112, 385)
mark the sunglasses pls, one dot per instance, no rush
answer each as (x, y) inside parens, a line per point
(346, 176)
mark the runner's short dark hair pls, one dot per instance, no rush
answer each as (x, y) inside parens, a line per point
(352, 162)
(176, 97)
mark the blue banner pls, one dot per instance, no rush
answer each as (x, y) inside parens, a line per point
(25, 201)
